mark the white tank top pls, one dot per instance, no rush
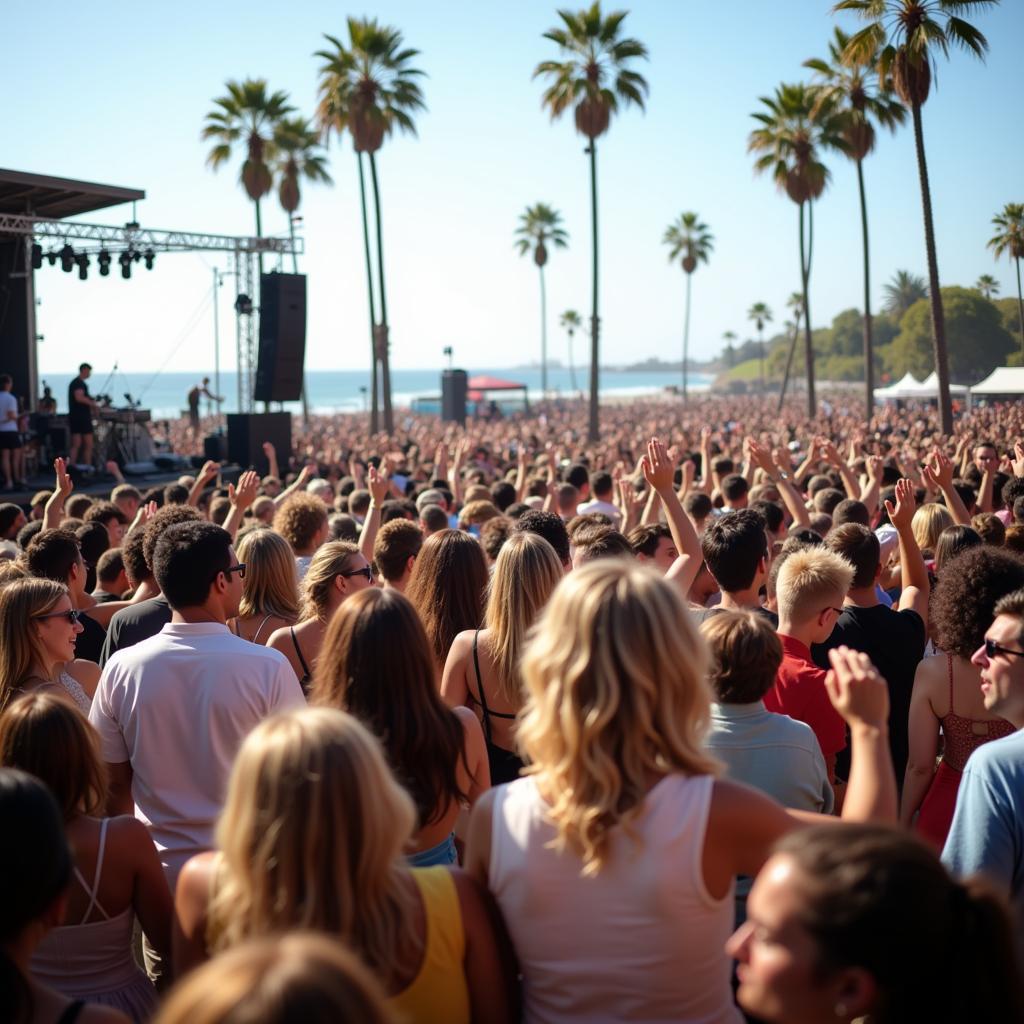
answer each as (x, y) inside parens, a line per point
(643, 940)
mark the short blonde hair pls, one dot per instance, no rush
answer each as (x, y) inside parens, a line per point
(928, 522)
(617, 691)
(271, 584)
(809, 579)
(331, 559)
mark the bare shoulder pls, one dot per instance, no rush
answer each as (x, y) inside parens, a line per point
(197, 874)
(461, 645)
(470, 723)
(87, 673)
(472, 893)
(277, 638)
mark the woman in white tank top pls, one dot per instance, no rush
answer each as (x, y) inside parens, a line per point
(613, 861)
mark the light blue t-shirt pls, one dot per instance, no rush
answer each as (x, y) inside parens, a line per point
(987, 834)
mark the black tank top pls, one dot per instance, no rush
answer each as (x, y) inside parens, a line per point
(505, 764)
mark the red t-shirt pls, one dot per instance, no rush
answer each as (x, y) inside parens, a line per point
(799, 692)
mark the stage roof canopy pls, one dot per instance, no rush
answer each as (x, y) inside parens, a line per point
(43, 196)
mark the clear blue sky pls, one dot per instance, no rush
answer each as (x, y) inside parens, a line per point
(120, 94)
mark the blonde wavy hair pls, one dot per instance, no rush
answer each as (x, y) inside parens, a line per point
(21, 601)
(330, 559)
(312, 837)
(279, 980)
(928, 523)
(616, 681)
(526, 572)
(271, 585)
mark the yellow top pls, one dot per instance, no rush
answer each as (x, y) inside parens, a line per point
(439, 991)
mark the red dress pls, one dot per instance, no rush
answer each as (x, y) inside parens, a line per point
(960, 740)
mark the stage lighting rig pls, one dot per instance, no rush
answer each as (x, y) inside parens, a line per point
(51, 257)
(37, 255)
(125, 259)
(149, 256)
(82, 260)
(103, 259)
(243, 304)
(67, 259)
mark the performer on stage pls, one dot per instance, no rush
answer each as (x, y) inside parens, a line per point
(194, 395)
(80, 410)
(11, 451)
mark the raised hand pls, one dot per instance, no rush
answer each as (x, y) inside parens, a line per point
(875, 465)
(378, 484)
(208, 472)
(1017, 460)
(939, 472)
(306, 474)
(243, 494)
(64, 484)
(902, 515)
(268, 449)
(760, 456)
(856, 690)
(657, 468)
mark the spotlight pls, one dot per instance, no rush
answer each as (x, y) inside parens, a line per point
(83, 266)
(149, 257)
(125, 260)
(67, 259)
(136, 256)
(104, 262)
(37, 255)
(243, 304)
(51, 257)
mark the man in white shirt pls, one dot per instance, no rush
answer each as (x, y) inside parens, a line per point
(172, 710)
(11, 453)
(602, 487)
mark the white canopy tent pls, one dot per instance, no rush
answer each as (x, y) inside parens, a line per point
(908, 386)
(930, 387)
(1004, 380)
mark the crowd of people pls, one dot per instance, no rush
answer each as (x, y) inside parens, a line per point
(720, 717)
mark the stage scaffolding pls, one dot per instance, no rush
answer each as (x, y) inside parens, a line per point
(132, 238)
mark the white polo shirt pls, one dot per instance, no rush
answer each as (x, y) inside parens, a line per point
(177, 706)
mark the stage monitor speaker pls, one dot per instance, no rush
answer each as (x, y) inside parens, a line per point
(248, 431)
(454, 386)
(282, 349)
(215, 448)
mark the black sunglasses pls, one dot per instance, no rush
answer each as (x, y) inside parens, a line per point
(365, 571)
(240, 569)
(992, 649)
(72, 615)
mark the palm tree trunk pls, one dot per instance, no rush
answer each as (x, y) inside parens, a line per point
(374, 413)
(259, 233)
(938, 317)
(385, 358)
(789, 362)
(572, 368)
(869, 348)
(805, 274)
(760, 355)
(595, 324)
(1020, 307)
(686, 333)
(543, 337)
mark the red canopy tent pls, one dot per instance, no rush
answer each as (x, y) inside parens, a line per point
(479, 385)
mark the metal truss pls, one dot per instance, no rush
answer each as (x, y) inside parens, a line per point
(133, 238)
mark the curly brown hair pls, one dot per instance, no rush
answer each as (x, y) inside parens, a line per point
(965, 598)
(299, 518)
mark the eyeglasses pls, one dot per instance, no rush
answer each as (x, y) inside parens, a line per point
(72, 615)
(831, 608)
(365, 571)
(992, 649)
(240, 569)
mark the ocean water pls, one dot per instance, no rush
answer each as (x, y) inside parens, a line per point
(341, 390)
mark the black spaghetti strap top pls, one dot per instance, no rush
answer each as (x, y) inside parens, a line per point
(505, 764)
(71, 1012)
(305, 680)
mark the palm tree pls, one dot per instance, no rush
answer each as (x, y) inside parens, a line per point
(248, 114)
(1009, 238)
(689, 240)
(794, 125)
(988, 286)
(861, 99)
(298, 155)
(729, 352)
(795, 303)
(906, 36)
(370, 88)
(902, 292)
(760, 314)
(593, 78)
(539, 225)
(571, 322)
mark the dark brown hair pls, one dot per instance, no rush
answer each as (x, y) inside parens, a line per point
(447, 587)
(396, 543)
(375, 663)
(48, 738)
(879, 899)
(860, 547)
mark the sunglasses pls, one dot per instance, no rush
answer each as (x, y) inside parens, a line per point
(72, 615)
(366, 571)
(992, 649)
(240, 569)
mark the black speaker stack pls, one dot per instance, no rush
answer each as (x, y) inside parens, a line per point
(282, 350)
(248, 431)
(454, 387)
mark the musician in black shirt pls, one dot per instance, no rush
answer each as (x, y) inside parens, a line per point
(80, 410)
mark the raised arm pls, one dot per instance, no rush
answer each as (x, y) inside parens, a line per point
(206, 474)
(242, 496)
(924, 746)
(778, 476)
(54, 508)
(913, 572)
(939, 474)
(831, 452)
(874, 466)
(306, 474)
(378, 484)
(271, 453)
(658, 472)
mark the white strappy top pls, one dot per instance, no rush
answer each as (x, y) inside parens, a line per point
(82, 700)
(92, 960)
